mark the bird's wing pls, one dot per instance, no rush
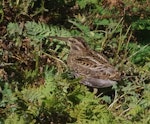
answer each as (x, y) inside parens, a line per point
(98, 56)
(87, 66)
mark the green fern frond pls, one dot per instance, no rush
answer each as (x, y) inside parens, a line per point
(15, 119)
(14, 28)
(39, 31)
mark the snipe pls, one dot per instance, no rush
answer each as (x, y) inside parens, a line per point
(92, 67)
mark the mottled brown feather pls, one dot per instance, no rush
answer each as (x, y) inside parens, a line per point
(91, 66)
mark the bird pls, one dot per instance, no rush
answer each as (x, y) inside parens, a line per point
(93, 68)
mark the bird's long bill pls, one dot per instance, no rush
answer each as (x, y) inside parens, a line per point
(60, 38)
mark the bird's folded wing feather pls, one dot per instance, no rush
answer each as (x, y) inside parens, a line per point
(89, 67)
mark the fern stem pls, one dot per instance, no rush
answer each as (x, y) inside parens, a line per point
(55, 59)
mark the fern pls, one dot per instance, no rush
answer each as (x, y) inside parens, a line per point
(90, 111)
(57, 95)
(8, 96)
(14, 29)
(39, 31)
(15, 119)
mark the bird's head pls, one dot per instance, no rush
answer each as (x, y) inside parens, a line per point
(76, 44)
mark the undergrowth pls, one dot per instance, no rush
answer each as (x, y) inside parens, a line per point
(36, 85)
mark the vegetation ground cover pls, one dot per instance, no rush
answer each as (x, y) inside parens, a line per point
(36, 85)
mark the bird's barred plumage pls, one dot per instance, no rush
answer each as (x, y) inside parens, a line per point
(92, 67)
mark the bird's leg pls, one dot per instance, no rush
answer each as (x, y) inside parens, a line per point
(95, 91)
